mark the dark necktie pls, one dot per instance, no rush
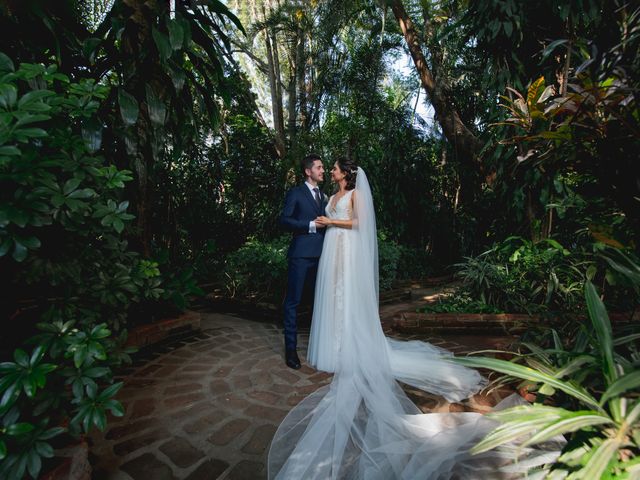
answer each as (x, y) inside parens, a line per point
(317, 195)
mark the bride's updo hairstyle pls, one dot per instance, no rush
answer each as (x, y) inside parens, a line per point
(350, 169)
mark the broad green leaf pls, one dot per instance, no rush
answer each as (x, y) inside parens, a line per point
(623, 384)
(100, 419)
(602, 327)
(8, 96)
(92, 134)
(52, 432)
(24, 134)
(33, 97)
(37, 355)
(70, 185)
(19, 428)
(44, 449)
(21, 357)
(526, 373)
(128, 107)
(6, 65)
(176, 34)
(10, 150)
(34, 464)
(156, 108)
(111, 390)
(3, 446)
(162, 43)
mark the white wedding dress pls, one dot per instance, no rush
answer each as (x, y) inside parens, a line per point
(362, 425)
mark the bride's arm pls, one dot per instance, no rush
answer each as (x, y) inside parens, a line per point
(329, 222)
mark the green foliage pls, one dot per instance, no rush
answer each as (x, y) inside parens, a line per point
(61, 221)
(388, 258)
(518, 275)
(586, 390)
(258, 269)
(66, 378)
(458, 303)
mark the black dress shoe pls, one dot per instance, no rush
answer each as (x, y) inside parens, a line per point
(292, 360)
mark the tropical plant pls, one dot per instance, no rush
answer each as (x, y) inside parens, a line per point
(66, 267)
(518, 275)
(458, 303)
(586, 390)
(64, 385)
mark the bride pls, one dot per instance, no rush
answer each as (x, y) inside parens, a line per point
(362, 425)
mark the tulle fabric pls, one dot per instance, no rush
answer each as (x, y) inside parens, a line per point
(362, 425)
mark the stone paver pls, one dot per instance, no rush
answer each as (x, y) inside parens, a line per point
(208, 405)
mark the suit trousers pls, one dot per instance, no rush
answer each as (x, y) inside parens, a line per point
(302, 271)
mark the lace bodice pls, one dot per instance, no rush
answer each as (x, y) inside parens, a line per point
(342, 208)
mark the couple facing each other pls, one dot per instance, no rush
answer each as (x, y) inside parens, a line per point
(362, 425)
(309, 215)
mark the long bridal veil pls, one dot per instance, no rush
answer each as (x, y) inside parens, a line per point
(362, 425)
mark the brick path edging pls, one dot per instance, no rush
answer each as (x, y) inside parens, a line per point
(412, 322)
(144, 335)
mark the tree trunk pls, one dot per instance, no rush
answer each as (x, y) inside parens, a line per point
(276, 70)
(275, 107)
(135, 37)
(273, 72)
(465, 142)
(300, 78)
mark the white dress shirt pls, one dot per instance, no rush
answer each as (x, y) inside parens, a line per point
(312, 224)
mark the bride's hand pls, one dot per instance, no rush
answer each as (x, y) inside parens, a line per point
(323, 221)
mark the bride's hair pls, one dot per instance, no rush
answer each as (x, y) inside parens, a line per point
(350, 169)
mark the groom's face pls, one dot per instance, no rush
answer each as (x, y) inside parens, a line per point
(316, 172)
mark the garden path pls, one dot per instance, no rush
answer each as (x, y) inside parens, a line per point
(205, 405)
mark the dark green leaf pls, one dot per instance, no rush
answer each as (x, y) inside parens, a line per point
(176, 34)
(34, 464)
(128, 107)
(6, 65)
(21, 357)
(44, 449)
(162, 42)
(19, 428)
(8, 96)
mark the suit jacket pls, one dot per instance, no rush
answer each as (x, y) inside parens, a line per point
(300, 208)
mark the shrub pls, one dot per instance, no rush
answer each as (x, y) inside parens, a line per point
(389, 254)
(258, 269)
(66, 266)
(586, 389)
(458, 304)
(518, 275)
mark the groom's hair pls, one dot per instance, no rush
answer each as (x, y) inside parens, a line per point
(307, 162)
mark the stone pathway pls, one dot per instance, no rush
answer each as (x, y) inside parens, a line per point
(207, 406)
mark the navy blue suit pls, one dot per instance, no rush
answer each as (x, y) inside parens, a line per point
(300, 208)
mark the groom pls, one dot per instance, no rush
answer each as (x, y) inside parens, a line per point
(302, 205)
